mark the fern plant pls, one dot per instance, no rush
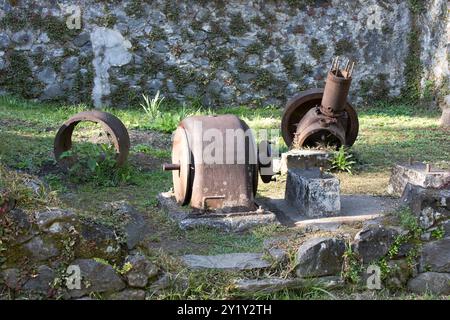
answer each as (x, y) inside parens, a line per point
(342, 161)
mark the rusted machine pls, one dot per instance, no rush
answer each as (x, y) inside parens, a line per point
(215, 163)
(114, 128)
(322, 117)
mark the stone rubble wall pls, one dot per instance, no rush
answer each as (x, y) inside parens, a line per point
(42, 248)
(213, 52)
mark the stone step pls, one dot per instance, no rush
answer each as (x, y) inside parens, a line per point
(230, 261)
(270, 285)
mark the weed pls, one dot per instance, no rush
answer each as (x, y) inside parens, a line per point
(163, 121)
(395, 247)
(17, 186)
(166, 122)
(352, 266)
(238, 26)
(438, 233)
(342, 160)
(409, 222)
(384, 268)
(152, 107)
(317, 50)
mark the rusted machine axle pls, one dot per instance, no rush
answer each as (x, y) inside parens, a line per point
(322, 117)
(115, 129)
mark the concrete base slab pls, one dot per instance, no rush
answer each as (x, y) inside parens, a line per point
(354, 209)
(304, 159)
(417, 174)
(236, 222)
(230, 261)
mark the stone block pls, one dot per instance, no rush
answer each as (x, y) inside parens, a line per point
(304, 159)
(430, 205)
(315, 194)
(417, 174)
(320, 257)
(430, 282)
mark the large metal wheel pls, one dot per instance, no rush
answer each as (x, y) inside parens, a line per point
(300, 104)
(182, 157)
(115, 129)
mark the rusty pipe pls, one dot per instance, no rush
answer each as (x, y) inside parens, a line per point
(335, 94)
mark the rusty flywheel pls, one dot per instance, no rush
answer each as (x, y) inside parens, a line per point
(297, 107)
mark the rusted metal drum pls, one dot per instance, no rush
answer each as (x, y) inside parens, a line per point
(307, 101)
(115, 129)
(214, 164)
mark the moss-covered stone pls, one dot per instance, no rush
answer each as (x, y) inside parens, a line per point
(84, 82)
(180, 77)
(124, 96)
(56, 28)
(218, 30)
(17, 78)
(259, 21)
(300, 4)
(317, 50)
(288, 61)
(238, 26)
(172, 10)
(265, 38)
(157, 33)
(375, 88)
(108, 20)
(342, 47)
(134, 8)
(264, 79)
(413, 70)
(152, 64)
(218, 56)
(14, 21)
(255, 48)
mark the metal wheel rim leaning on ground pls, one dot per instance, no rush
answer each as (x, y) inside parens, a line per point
(111, 124)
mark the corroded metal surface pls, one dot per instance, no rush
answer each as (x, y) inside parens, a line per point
(117, 133)
(322, 116)
(223, 178)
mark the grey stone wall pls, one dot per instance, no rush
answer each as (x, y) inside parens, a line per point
(217, 52)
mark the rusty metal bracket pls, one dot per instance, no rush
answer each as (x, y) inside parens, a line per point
(110, 123)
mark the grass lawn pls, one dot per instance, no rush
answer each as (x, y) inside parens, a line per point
(389, 133)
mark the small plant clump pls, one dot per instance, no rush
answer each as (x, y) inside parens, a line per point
(352, 266)
(317, 50)
(161, 121)
(238, 27)
(96, 164)
(342, 161)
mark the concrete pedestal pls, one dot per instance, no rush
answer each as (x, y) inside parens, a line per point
(417, 174)
(304, 159)
(314, 194)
